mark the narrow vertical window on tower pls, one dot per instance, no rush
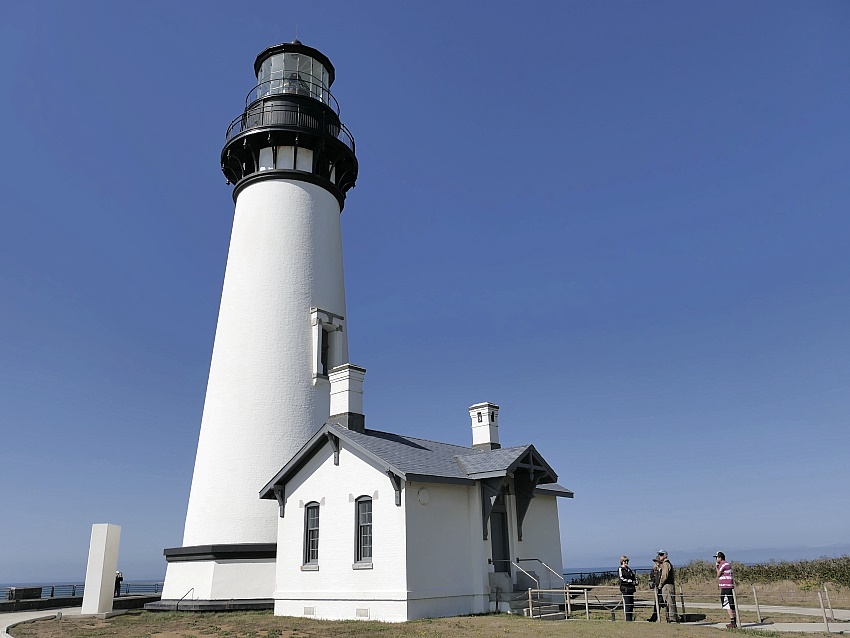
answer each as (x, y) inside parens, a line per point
(364, 530)
(311, 534)
(326, 346)
(327, 336)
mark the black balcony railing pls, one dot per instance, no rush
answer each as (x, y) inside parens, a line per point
(270, 113)
(292, 86)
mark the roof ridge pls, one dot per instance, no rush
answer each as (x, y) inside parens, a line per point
(413, 438)
(500, 449)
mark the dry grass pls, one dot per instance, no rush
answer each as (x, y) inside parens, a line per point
(139, 624)
(783, 592)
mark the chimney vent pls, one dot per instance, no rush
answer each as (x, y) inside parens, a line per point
(347, 396)
(485, 426)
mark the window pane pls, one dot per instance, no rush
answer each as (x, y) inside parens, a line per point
(311, 536)
(364, 530)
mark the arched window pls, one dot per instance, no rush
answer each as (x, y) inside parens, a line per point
(311, 534)
(363, 527)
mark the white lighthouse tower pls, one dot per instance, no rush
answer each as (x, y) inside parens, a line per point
(281, 327)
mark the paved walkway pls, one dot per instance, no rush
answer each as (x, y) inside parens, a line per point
(815, 626)
(10, 618)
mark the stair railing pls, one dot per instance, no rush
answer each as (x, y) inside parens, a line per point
(177, 606)
(561, 576)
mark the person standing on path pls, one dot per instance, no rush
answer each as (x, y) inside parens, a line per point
(628, 585)
(666, 583)
(727, 588)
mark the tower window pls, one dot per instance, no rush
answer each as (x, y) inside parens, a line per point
(492, 417)
(326, 346)
(480, 419)
(329, 347)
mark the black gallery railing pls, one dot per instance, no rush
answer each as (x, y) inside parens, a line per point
(270, 113)
(292, 86)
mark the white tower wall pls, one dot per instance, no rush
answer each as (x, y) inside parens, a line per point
(264, 399)
(281, 327)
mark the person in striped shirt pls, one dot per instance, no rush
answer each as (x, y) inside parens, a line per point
(727, 587)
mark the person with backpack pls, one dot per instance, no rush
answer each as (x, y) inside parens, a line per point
(628, 586)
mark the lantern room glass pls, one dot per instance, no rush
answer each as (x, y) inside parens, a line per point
(293, 73)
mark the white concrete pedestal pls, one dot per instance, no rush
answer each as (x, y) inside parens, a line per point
(100, 571)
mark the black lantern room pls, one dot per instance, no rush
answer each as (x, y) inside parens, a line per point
(290, 128)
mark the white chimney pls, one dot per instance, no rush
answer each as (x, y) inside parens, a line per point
(347, 396)
(485, 425)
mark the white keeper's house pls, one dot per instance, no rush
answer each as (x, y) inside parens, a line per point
(295, 505)
(390, 527)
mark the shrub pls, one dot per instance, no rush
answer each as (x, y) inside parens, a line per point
(805, 572)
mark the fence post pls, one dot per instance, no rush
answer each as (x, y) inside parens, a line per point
(586, 606)
(657, 605)
(569, 601)
(737, 610)
(756, 598)
(530, 605)
(831, 610)
(825, 621)
(682, 600)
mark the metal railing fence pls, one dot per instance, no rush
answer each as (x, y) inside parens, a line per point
(607, 598)
(75, 590)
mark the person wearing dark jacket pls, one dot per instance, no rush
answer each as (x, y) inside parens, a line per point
(628, 585)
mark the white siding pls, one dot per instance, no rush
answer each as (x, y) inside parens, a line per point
(337, 590)
(221, 580)
(446, 563)
(541, 539)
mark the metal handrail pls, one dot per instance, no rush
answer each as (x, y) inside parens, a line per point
(177, 606)
(508, 560)
(564, 580)
(298, 86)
(527, 574)
(271, 113)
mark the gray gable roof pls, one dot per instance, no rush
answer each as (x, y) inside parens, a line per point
(415, 459)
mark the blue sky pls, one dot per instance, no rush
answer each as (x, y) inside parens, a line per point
(624, 222)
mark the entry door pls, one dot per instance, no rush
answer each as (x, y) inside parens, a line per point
(499, 536)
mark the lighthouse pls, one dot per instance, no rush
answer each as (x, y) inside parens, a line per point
(281, 326)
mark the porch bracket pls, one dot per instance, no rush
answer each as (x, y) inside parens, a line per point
(334, 441)
(490, 490)
(281, 501)
(395, 479)
(524, 493)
